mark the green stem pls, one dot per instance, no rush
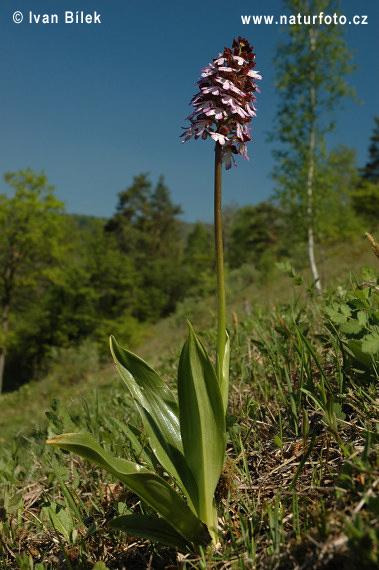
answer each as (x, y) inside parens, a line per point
(221, 310)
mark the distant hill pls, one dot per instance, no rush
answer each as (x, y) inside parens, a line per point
(83, 222)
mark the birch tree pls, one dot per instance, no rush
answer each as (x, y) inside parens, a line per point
(311, 65)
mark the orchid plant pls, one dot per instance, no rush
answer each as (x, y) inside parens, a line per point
(186, 433)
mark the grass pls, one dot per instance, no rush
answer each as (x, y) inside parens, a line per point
(298, 489)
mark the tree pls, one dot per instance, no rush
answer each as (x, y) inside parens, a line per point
(255, 229)
(96, 291)
(311, 67)
(147, 230)
(335, 219)
(199, 262)
(366, 202)
(370, 171)
(366, 194)
(92, 294)
(31, 224)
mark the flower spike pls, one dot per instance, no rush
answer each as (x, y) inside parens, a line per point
(224, 106)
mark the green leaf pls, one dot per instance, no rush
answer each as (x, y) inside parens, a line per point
(345, 309)
(362, 296)
(372, 504)
(202, 423)
(370, 344)
(351, 327)
(71, 503)
(335, 316)
(368, 274)
(100, 566)
(60, 519)
(298, 280)
(147, 485)
(160, 414)
(337, 409)
(364, 358)
(362, 317)
(278, 442)
(152, 528)
(285, 267)
(15, 503)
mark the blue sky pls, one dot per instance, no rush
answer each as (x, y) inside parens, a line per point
(93, 105)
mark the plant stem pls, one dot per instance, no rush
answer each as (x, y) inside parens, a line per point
(221, 311)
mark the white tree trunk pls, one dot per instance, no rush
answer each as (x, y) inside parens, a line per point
(311, 169)
(4, 326)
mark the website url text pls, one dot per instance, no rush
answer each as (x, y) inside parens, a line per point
(305, 19)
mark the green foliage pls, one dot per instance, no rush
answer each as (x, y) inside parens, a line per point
(357, 319)
(98, 284)
(287, 506)
(71, 364)
(336, 219)
(286, 268)
(31, 245)
(91, 283)
(365, 201)
(26, 562)
(255, 231)
(370, 172)
(365, 197)
(147, 230)
(151, 528)
(187, 438)
(152, 489)
(92, 294)
(198, 262)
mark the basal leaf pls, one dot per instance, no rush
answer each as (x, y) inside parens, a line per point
(159, 411)
(151, 488)
(152, 528)
(202, 423)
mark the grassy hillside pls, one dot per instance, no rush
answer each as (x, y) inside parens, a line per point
(300, 483)
(76, 372)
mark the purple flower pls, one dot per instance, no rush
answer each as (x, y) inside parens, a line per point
(224, 106)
